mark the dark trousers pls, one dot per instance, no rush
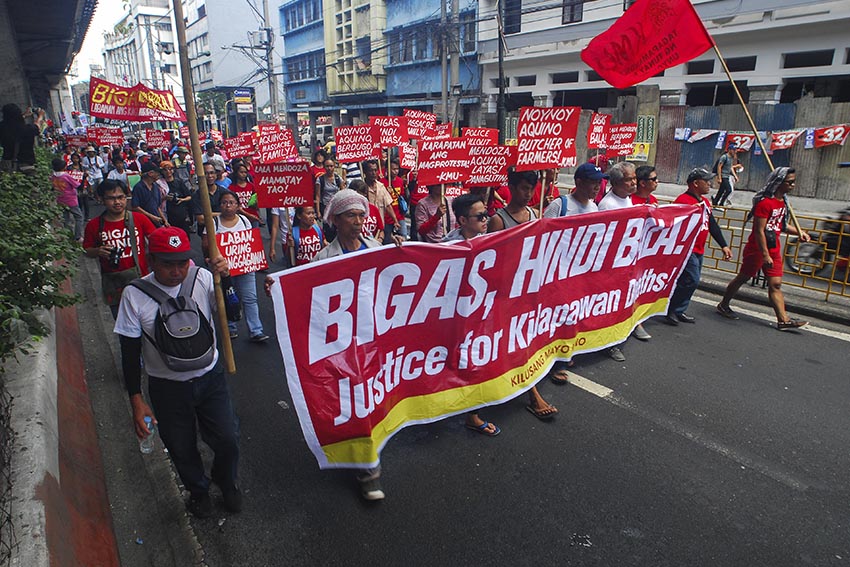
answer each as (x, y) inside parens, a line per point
(687, 284)
(177, 406)
(723, 193)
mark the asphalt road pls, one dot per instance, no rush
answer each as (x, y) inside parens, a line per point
(719, 443)
(722, 443)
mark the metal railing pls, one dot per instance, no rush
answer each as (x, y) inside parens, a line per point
(820, 265)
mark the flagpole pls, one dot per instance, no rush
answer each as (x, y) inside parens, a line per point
(192, 118)
(759, 141)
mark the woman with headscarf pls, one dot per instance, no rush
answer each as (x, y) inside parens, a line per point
(763, 250)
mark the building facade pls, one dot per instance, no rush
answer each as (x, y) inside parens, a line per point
(142, 48)
(348, 59)
(778, 51)
(227, 46)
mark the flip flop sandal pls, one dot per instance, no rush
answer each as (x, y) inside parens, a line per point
(554, 377)
(482, 429)
(539, 413)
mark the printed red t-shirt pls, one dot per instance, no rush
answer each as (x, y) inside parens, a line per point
(115, 234)
(774, 211)
(244, 194)
(636, 200)
(702, 237)
(373, 223)
(309, 244)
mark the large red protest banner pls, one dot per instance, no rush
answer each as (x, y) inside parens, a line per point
(356, 143)
(419, 122)
(390, 131)
(276, 144)
(489, 165)
(157, 138)
(621, 139)
(546, 137)
(244, 251)
(375, 341)
(442, 161)
(597, 131)
(105, 135)
(831, 135)
(480, 136)
(138, 103)
(284, 185)
(651, 36)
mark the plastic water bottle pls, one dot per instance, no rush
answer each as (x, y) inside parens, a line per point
(232, 304)
(146, 444)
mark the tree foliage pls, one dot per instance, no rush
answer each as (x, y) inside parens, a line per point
(37, 255)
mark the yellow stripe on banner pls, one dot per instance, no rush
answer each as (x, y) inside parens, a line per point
(433, 407)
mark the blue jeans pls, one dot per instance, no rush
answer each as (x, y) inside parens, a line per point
(246, 289)
(177, 405)
(687, 284)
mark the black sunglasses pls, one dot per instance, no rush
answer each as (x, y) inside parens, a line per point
(480, 216)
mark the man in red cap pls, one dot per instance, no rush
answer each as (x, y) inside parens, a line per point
(180, 397)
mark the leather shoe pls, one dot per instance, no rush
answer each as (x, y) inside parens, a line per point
(671, 320)
(232, 500)
(200, 505)
(685, 318)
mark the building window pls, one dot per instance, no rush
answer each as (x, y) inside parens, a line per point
(202, 11)
(163, 26)
(409, 45)
(305, 67)
(513, 16)
(741, 63)
(300, 94)
(593, 76)
(820, 58)
(467, 33)
(302, 13)
(526, 81)
(559, 78)
(700, 67)
(363, 45)
(572, 11)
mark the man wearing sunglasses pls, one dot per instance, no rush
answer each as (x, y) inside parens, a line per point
(647, 180)
(471, 214)
(699, 185)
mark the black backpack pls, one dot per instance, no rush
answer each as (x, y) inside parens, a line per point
(182, 334)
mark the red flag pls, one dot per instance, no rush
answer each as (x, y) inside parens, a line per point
(651, 36)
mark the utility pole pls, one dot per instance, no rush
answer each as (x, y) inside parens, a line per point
(500, 104)
(444, 62)
(455, 64)
(270, 60)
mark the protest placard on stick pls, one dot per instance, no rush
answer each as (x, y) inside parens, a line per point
(390, 131)
(276, 144)
(284, 185)
(546, 137)
(443, 161)
(356, 143)
(419, 123)
(489, 165)
(244, 250)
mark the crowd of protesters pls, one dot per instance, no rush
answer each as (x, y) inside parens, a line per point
(151, 195)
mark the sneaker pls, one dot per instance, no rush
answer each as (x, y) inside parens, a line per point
(726, 311)
(260, 338)
(234, 335)
(232, 499)
(200, 505)
(790, 325)
(370, 485)
(616, 354)
(640, 333)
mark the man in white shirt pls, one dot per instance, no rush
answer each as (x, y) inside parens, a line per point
(588, 178)
(623, 186)
(180, 398)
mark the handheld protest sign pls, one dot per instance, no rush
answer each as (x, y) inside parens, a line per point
(284, 185)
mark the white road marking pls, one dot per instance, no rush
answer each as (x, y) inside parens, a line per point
(771, 318)
(771, 470)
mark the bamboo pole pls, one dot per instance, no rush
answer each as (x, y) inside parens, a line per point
(754, 129)
(192, 118)
(543, 192)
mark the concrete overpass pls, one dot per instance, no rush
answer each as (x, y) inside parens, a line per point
(38, 42)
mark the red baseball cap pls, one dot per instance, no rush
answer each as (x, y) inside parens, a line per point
(169, 243)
